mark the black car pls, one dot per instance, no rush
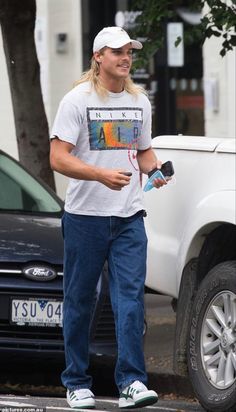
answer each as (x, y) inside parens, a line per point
(31, 271)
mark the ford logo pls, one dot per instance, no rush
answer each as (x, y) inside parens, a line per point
(40, 273)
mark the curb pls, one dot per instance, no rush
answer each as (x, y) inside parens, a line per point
(170, 383)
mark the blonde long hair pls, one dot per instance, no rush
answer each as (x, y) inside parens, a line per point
(92, 75)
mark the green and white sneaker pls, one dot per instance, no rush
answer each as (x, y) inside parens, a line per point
(137, 395)
(80, 399)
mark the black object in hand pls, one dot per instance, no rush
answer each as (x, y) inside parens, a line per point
(127, 173)
(167, 169)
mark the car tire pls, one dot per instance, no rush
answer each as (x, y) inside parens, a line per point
(211, 343)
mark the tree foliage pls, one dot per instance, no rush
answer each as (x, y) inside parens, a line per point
(218, 19)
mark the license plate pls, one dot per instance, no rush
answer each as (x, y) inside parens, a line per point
(36, 312)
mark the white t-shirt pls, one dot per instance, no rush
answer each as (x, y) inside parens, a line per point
(106, 133)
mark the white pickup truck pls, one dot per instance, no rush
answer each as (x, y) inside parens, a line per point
(191, 228)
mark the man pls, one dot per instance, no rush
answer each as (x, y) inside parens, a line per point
(101, 139)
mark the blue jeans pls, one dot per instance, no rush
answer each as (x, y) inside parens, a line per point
(90, 241)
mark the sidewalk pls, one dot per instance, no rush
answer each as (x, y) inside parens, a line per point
(159, 346)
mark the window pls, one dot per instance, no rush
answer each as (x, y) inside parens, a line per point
(19, 191)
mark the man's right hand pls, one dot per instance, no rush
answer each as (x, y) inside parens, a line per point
(114, 179)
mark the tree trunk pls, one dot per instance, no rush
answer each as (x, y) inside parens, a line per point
(17, 19)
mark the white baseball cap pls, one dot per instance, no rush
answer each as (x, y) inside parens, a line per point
(114, 37)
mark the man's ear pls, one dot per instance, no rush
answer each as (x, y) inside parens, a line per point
(97, 57)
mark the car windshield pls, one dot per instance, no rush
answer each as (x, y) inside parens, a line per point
(20, 192)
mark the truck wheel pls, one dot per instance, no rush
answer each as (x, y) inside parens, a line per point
(211, 343)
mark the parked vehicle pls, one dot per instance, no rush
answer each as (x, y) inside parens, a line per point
(191, 227)
(31, 271)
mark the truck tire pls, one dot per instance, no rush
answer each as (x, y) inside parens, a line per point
(211, 342)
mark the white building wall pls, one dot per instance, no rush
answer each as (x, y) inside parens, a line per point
(231, 93)
(61, 65)
(64, 67)
(220, 90)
